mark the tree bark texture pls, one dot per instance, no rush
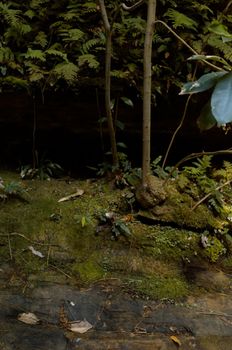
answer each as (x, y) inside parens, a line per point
(147, 66)
(109, 116)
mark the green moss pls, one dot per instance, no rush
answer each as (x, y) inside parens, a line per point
(167, 243)
(227, 263)
(215, 249)
(89, 270)
(160, 287)
(150, 260)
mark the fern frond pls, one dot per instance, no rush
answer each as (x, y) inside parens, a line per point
(89, 59)
(134, 24)
(30, 13)
(16, 82)
(53, 52)
(35, 54)
(90, 7)
(23, 28)
(225, 172)
(119, 74)
(35, 73)
(6, 55)
(226, 49)
(71, 34)
(201, 7)
(67, 71)
(69, 16)
(57, 24)
(41, 39)
(11, 16)
(178, 19)
(92, 43)
(38, 3)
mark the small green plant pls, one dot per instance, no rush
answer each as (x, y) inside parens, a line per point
(83, 220)
(157, 169)
(11, 189)
(46, 169)
(205, 183)
(116, 225)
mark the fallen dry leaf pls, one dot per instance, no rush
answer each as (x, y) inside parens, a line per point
(175, 340)
(36, 252)
(28, 318)
(80, 326)
(72, 196)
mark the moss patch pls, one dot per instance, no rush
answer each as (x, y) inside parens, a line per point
(148, 263)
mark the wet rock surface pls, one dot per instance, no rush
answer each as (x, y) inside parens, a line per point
(118, 320)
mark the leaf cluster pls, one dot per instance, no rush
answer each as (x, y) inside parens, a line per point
(201, 179)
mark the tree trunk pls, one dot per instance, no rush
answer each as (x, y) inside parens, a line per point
(111, 130)
(147, 66)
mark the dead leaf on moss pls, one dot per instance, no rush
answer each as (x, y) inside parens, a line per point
(35, 252)
(28, 318)
(175, 340)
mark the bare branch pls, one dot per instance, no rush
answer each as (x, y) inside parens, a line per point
(133, 7)
(210, 193)
(227, 8)
(104, 15)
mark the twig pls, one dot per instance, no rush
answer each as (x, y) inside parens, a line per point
(28, 239)
(187, 45)
(176, 131)
(9, 245)
(196, 155)
(210, 193)
(132, 7)
(227, 7)
(61, 271)
(214, 313)
(48, 255)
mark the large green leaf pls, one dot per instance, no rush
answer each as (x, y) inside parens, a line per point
(221, 100)
(206, 119)
(205, 82)
(219, 29)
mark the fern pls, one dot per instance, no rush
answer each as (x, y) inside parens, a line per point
(30, 14)
(11, 16)
(226, 49)
(15, 82)
(37, 4)
(225, 172)
(92, 43)
(178, 19)
(35, 72)
(41, 39)
(119, 74)
(89, 59)
(6, 55)
(67, 71)
(201, 175)
(90, 7)
(71, 34)
(35, 55)
(54, 52)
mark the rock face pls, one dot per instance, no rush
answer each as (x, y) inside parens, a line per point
(163, 202)
(118, 321)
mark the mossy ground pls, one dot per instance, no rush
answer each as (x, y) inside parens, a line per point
(148, 263)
